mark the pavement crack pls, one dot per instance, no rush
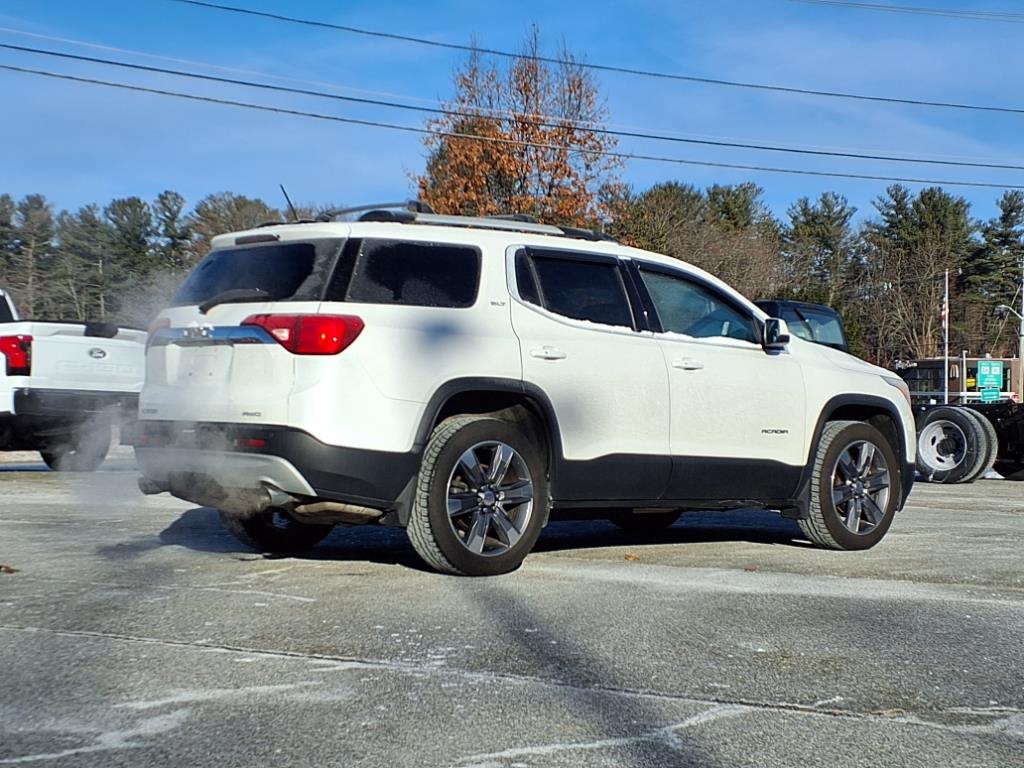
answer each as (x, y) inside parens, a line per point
(1003, 725)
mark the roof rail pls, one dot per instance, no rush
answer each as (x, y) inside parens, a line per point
(515, 222)
(523, 217)
(282, 223)
(413, 206)
(419, 212)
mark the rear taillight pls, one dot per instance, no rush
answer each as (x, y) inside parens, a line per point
(310, 334)
(18, 352)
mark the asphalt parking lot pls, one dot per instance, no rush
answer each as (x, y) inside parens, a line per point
(136, 632)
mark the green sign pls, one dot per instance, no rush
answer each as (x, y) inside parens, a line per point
(990, 375)
(989, 395)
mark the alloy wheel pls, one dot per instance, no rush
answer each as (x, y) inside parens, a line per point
(860, 487)
(490, 498)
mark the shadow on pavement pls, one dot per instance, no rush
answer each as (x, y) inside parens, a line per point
(625, 730)
(200, 530)
(752, 526)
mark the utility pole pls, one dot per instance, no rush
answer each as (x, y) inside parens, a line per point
(1005, 308)
(945, 336)
(1020, 335)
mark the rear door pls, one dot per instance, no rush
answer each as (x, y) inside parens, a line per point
(581, 346)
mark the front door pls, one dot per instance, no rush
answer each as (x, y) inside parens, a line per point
(738, 412)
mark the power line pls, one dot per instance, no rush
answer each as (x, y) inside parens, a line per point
(614, 128)
(208, 65)
(601, 67)
(1006, 16)
(476, 115)
(502, 141)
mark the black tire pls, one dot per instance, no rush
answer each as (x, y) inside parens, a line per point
(82, 450)
(465, 446)
(991, 444)
(829, 523)
(646, 522)
(274, 530)
(1010, 470)
(951, 445)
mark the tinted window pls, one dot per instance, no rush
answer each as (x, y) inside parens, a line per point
(690, 308)
(524, 279)
(277, 270)
(416, 274)
(5, 310)
(814, 325)
(583, 290)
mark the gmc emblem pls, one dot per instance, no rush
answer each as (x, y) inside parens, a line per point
(198, 331)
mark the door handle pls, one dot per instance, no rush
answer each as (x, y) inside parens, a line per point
(687, 364)
(547, 353)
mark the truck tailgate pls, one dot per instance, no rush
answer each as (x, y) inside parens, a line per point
(64, 358)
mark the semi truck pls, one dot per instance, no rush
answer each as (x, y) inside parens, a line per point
(956, 443)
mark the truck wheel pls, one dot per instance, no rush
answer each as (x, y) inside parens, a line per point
(646, 522)
(83, 450)
(950, 445)
(481, 497)
(274, 530)
(991, 442)
(854, 487)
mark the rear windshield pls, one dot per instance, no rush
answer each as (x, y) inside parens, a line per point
(279, 270)
(5, 310)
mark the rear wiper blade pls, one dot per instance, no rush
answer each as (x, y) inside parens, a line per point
(234, 296)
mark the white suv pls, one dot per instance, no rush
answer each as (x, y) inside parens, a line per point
(468, 378)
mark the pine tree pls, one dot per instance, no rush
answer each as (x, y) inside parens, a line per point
(82, 267)
(172, 230)
(821, 249)
(32, 254)
(224, 212)
(916, 241)
(7, 232)
(992, 271)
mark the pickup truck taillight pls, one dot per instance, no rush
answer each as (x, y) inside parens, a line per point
(310, 334)
(17, 350)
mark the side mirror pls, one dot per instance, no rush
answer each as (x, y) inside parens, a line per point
(776, 334)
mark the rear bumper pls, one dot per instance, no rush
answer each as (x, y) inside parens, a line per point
(73, 404)
(247, 457)
(29, 418)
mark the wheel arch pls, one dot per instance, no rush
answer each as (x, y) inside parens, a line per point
(521, 402)
(877, 412)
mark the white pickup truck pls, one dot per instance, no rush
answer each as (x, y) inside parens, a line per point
(64, 385)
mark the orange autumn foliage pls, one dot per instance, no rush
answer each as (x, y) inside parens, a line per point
(521, 139)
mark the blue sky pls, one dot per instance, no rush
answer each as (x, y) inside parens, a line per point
(79, 144)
